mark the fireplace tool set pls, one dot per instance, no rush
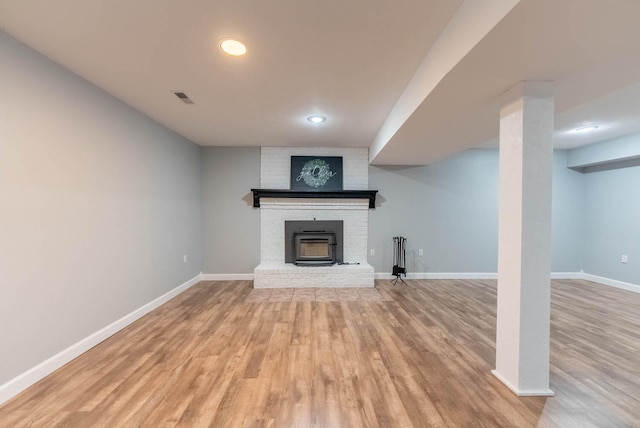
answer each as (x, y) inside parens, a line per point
(399, 259)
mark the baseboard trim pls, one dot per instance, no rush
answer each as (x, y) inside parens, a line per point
(440, 275)
(227, 277)
(611, 282)
(523, 393)
(491, 275)
(21, 382)
(567, 275)
(470, 275)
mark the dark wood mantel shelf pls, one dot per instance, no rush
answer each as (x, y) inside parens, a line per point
(336, 194)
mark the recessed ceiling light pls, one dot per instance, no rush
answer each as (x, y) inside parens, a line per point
(587, 128)
(233, 47)
(316, 118)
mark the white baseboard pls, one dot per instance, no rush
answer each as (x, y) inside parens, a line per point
(491, 275)
(21, 382)
(384, 275)
(440, 275)
(567, 275)
(526, 392)
(470, 275)
(226, 277)
(611, 282)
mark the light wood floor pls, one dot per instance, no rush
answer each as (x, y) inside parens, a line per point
(224, 355)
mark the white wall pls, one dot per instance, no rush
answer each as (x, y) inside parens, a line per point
(98, 205)
(275, 165)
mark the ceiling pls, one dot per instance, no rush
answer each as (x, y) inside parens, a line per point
(414, 81)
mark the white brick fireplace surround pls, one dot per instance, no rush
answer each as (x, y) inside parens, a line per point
(273, 272)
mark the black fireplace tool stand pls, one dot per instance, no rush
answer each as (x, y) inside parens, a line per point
(399, 259)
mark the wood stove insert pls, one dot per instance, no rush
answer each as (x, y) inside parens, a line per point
(314, 248)
(313, 243)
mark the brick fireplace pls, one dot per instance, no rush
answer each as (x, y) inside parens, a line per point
(273, 270)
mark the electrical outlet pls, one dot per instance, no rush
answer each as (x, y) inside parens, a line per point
(420, 252)
(184, 259)
(373, 252)
(624, 259)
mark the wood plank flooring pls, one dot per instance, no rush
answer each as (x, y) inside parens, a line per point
(224, 355)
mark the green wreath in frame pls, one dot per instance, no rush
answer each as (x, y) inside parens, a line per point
(316, 173)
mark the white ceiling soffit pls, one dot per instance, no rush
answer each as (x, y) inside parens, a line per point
(472, 21)
(615, 114)
(346, 60)
(588, 47)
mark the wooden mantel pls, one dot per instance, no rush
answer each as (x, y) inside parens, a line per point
(334, 194)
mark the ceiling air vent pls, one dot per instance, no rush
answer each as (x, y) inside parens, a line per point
(185, 99)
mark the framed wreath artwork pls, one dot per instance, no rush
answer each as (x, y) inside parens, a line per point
(316, 173)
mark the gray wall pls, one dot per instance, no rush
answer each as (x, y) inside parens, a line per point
(98, 206)
(567, 218)
(230, 224)
(450, 210)
(612, 224)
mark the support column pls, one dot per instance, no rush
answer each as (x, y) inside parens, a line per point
(524, 242)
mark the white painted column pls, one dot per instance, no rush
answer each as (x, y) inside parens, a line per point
(524, 242)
